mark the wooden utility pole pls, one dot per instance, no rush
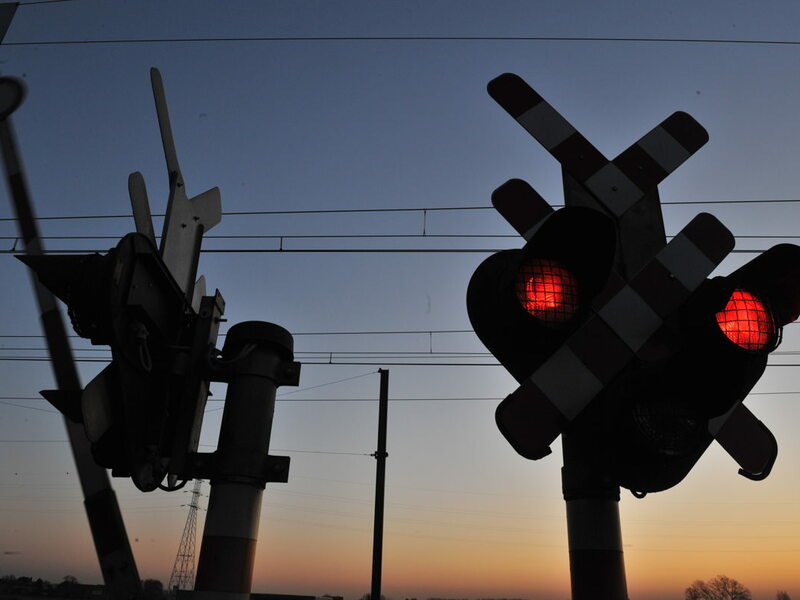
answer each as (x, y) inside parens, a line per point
(380, 486)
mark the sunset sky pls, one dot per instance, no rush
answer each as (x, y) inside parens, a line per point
(344, 122)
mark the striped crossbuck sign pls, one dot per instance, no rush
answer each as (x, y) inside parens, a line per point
(626, 314)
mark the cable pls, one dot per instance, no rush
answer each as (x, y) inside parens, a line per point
(321, 452)
(333, 251)
(391, 210)
(306, 236)
(313, 387)
(316, 353)
(328, 362)
(419, 38)
(282, 400)
(307, 333)
(396, 332)
(34, 441)
(273, 212)
(355, 353)
(420, 399)
(356, 236)
(310, 250)
(42, 2)
(337, 363)
(208, 445)
(47, 410)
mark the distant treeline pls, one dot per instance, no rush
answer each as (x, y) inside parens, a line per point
(69, 588)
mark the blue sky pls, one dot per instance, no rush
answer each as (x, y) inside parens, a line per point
(365, 124)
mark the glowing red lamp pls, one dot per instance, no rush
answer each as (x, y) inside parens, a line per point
(547, 290)
(747, 322)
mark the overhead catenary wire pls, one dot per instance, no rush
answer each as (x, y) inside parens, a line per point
(281, 239)
(421, 399)
(350, 399)
(281, 247)
(333, 251)
(353, 353)
(408, 38)
(315, 333)
(30, 441)
(43, 2)
(352, 236)
(327, 383)
(419, 209)
(394, 362)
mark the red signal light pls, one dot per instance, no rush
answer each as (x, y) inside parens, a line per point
(547, 290)
(747, 322)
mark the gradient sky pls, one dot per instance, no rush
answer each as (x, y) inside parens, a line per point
(359, 124)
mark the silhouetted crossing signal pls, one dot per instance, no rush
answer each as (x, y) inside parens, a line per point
(714, 351)
(524, 303)
(128, 300)
(598, 309)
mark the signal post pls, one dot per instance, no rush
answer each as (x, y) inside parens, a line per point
(257, 357)
(594, 533)
(117, 563)
(143, 413)
(618, 340)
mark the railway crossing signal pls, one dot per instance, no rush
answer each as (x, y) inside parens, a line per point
(128, 300)
(600, 319)
(619, 341)
(143, 413)
(722, 338)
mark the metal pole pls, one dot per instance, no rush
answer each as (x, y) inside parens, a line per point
(258, 358)
(596, 561)
(114, 553)
(380, 485)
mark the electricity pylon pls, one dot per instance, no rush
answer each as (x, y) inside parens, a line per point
(182, 577)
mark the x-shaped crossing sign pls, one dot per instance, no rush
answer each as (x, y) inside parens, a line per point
(619, 326)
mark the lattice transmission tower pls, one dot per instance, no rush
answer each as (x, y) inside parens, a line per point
(182, 577)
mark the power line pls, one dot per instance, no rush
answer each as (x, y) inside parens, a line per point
(320, 452)
(410, 38)
(34, 441)
(331, 251)
(310, 354)
(313, 387)
(340, 363)
(372, 400)
(320, 353)
(43, 2)
(320, 333)
(308, 236)
(250, 213)
(396, 209)
(271, 449)
(47, 410)
(311, 250)
(350, 399)
(310, 333)
(360, 236)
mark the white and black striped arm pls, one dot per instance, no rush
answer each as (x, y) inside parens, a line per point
(618, 184)
(522, 206)
(625, 316)
(748, 441)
